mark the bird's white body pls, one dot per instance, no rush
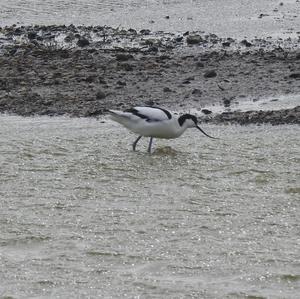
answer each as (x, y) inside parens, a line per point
(157, 124)
(154, 122)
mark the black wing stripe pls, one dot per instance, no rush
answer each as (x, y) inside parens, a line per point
(169, 115)
(137, 113)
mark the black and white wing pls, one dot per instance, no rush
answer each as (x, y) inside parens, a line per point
(149, 114)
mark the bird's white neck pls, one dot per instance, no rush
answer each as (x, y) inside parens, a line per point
(180, 128)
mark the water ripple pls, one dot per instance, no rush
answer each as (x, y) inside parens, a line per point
(215, 220)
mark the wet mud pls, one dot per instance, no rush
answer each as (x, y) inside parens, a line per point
(83, 71)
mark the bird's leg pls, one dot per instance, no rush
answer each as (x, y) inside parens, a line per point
(135, 143)
(150, 144)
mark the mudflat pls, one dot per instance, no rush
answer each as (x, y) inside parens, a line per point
(84, 70)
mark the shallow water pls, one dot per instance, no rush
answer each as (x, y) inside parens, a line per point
(232, 18)
(82, 216)
(272, 103)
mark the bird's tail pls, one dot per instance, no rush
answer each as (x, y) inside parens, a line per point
(114, 112)
(119, 116)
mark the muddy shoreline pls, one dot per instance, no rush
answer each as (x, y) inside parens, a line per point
(83, 71)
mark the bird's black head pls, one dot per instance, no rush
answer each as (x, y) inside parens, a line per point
(190, 121)
(183, 118)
